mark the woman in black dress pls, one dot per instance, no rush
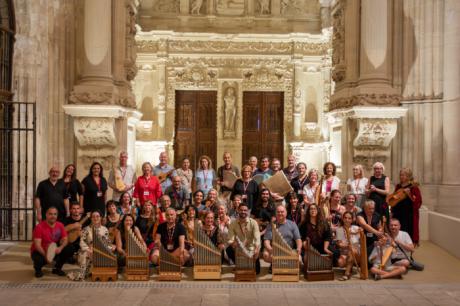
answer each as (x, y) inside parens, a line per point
(72, 184)
(94, 190)
(247, 188)
(378, 188)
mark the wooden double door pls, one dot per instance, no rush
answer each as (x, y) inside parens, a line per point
(196, 126)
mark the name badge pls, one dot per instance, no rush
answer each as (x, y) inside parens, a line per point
(170, 247)
(244, 197)
(99, 194)
(146, 193)
(370, 235)
(300, 192)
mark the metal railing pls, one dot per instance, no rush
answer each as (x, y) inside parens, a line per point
(17, 169)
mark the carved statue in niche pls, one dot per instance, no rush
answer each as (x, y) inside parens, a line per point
(196, 7)
(264, 7)
(230, 109)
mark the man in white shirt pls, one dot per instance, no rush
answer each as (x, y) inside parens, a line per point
(403, 240)
(126, 173)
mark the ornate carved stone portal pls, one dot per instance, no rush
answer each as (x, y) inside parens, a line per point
(231, 65)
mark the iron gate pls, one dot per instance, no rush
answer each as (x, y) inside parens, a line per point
(17, 169)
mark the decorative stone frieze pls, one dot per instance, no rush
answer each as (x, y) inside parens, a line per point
(299, 48)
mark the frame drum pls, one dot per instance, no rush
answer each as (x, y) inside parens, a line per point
(51, 252)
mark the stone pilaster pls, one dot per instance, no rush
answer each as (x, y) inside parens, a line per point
(365, 102)
(102, 101)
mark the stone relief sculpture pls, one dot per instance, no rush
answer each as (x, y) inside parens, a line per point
(230, 109)
(264, 7)
(196, 7)
(230, 7)
(299, 7)
(166, 6)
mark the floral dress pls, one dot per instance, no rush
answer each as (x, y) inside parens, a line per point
(84, 257)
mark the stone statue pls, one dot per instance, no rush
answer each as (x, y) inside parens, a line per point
(230, 109)
(196, 7)
(264, 6)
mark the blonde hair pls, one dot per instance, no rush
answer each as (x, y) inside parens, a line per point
(361, 170)
(246, 167)
(409, 173)
(207, 158)
(311, 171)
(368, 203)
(379, 164)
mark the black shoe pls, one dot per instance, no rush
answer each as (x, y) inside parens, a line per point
(38, 273)
(58, 272)
(270, 269)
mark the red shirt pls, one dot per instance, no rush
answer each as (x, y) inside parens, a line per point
(48, 234)
(147, 189)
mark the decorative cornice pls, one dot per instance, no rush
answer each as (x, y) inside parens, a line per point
(365, 99)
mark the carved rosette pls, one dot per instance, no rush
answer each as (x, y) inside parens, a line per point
(365, 99)
(338, 42)
(372, 141)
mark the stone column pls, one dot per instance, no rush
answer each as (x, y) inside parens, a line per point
(364, 99)
(102, 101)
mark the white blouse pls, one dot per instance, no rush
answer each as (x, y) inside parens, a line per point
(310, 193)
(357, 186)
(335, 185)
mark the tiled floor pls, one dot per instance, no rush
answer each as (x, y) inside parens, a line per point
(439, 284)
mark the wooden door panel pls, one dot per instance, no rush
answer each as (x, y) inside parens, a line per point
(196, 132)
(263, 124)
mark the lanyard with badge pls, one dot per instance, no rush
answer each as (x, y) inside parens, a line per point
(146, 186)
(98, 185)
(170, 244)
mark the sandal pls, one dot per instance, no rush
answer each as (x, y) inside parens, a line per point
(344, 278)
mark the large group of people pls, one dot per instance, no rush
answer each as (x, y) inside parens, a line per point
(163, 206)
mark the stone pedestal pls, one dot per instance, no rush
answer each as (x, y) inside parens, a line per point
(101, 133)
(366, 134)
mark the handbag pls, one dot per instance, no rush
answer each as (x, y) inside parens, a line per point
(414, 265)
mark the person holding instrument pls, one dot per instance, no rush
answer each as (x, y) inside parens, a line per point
(47, 233)
(381, 263)
(331, 181)
(171, 236)
(348, 241)
(369, 220)
(407, 210)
